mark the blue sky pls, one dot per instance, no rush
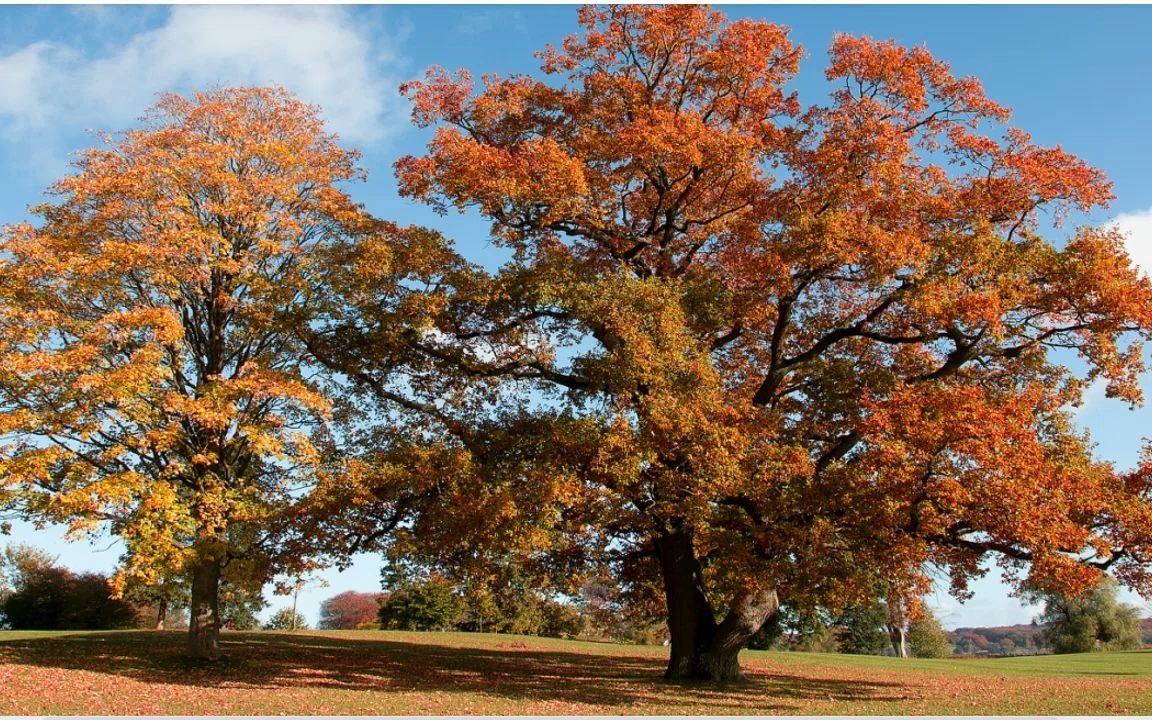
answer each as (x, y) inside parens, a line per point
(1075, 76)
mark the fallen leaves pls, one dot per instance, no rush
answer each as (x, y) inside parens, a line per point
(362, 672)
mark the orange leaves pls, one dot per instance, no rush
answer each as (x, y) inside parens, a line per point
(662, 104)
(440, 97)
(1000, 469)
(907, 81)
(1051, 175)
(682, 57)
(535, 172)
(818, 339)
(145, 327)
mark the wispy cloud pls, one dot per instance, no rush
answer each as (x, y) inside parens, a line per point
(323, 53)
(1137, 228)
(23, 100)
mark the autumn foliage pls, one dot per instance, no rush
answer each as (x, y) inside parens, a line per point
(747, 348)
(349, 610)
(794, 350)
(145, 380)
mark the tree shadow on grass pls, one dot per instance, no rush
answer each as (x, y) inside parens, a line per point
(280, 661)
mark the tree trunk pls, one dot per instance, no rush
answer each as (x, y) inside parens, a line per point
(899, 640)
(897, 624)
(204, 613)
(702, 649)
(161, 613)
(745, 617)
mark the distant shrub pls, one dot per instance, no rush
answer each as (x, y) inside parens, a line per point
(559, 620)
(927, 639)
(57, 599)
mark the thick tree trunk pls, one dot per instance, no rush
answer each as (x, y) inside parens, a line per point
(204, 613)
(702, 649)
(745, 617)
(161, 613)
(691, 624)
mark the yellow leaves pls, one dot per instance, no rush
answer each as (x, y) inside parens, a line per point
(212, 411)
(147, 364)
(17, 419)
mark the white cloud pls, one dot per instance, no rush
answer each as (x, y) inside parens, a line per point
(1137, 228)
(22, 98)
(322, 53)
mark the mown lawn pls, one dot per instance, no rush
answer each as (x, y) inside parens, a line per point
(392, 673)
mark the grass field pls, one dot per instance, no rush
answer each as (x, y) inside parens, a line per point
(393, 673)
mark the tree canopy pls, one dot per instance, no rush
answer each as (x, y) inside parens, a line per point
(349, 610)
(147, 381)
(745, 347)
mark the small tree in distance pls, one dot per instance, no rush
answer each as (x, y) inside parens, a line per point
(429, 604)
(864, 629)
(1088, 622)
(19, 563)
(926, 637)
(239, 607)
(350, 610)
(283, 619)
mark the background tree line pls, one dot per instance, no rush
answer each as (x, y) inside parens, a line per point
(37, 594)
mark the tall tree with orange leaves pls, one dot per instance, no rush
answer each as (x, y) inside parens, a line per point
(147, 381)
(753, 349)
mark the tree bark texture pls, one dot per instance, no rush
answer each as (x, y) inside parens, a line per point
(703, 649)
(204, 613)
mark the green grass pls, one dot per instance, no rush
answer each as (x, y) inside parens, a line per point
(393, 673)
(1136, 664)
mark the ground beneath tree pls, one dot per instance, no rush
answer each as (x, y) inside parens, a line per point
(389, 673)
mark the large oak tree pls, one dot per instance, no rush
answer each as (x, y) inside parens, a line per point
(147, 384)
(750, 348)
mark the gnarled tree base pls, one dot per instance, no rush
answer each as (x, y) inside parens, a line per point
(703, 650)
(705, 668)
